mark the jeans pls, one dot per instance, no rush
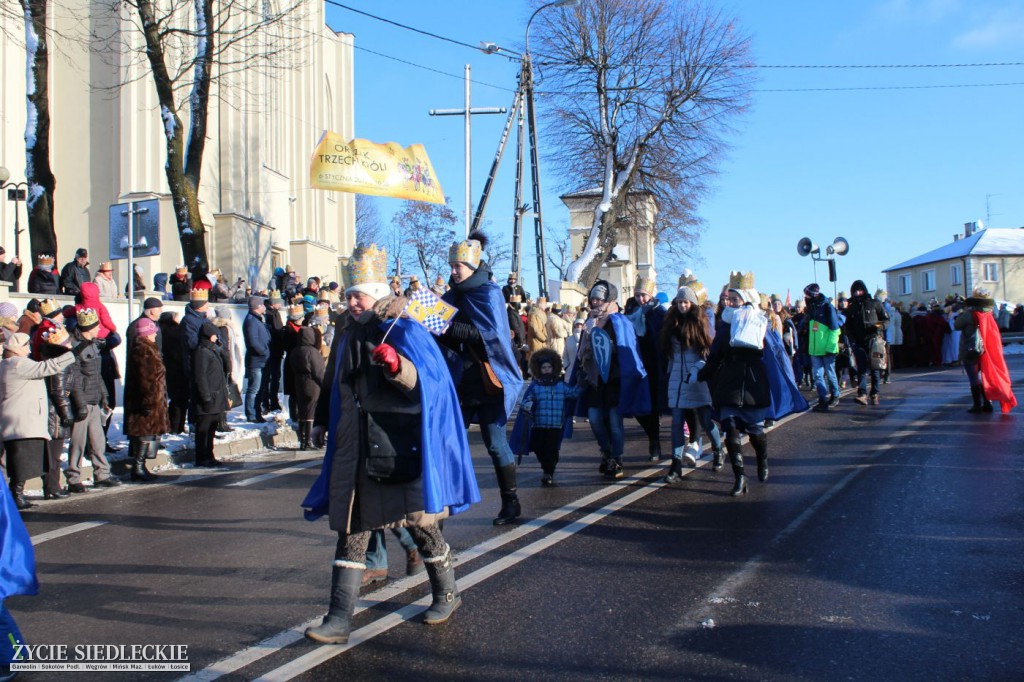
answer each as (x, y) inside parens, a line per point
(377, 550)
(606, 423)
(697, 419)
(492, 431)
(823, 368)
(864, 369)
(253, 391)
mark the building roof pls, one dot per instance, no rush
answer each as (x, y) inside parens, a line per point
(595, 192)
(987, 242)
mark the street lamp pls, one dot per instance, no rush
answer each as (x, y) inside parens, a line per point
(839, 247)
(15, 193)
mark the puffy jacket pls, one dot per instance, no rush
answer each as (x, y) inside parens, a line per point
(58, 390)
(822, 323)
(737, 375)
(865, 316)
(42, 281)
(90, 297)
(87, 386)
(257, 341)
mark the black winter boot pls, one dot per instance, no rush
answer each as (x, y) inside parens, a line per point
(716, 459)
(307, 434)
(18, 493)
(675, 471)
(732, 444)
(510, 509)
(760, 444)
(138, 467)
(337, 624)
(976, 399)
(442, 586)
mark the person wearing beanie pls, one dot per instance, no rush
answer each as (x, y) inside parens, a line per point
(43, 279)
(611, 373)
(210, 394)
(145, 399)
(51, 341)
(409, 410)
(866, 320)
(75, 273)
(31, 318)
(686, 341)
(152, 309)
(22, 431)
(289, 342)
(90, 404)
(647, 316)
(258, 342)
(738, 376)
(490, 383)
(271, 388)
(10, 272)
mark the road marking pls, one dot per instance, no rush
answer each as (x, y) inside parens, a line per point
(67, 530)
(274, 474)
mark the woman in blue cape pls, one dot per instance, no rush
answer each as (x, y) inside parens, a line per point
(483, 365)
(609, 368)
(397, 453)
(17, 573)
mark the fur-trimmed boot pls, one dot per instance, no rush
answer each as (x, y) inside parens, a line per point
(337, 624)
(442, 586)
(510, 508)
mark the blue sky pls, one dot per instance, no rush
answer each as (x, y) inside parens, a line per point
(895, 171)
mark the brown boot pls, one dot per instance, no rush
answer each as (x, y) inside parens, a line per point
(374, 575)
(413, 563)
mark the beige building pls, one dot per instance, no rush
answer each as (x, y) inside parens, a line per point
(107, 147)
(991, 258)
(633, 255)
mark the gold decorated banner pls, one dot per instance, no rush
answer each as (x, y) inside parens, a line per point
(364, 167)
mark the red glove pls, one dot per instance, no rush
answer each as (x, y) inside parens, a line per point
(388, 357)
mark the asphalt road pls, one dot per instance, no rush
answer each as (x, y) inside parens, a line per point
(886, 544)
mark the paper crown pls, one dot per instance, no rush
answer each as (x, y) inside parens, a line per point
(87, 319)
(56, 335)
(50, 308)
(698, 289)
(396, 280)
(741, 280)
(468, 251)
(296, 311)
(646, 285)
(439, 282)
(369, 265)
(515, 298)
(181, 270)
(200, 291)
(44, 259)
(274, 295)
(687, 278)
(324, 296)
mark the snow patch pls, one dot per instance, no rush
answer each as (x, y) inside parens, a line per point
(187, 230)
(721, 600)
(31, 123)
(31, 48)
(837, 619)
(170, 124)
(708, 624)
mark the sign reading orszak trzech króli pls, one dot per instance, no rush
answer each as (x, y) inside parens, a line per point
(100, 658)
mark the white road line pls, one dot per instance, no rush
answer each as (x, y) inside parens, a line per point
(67, 530)
(324, 653)
(285, 638)
(274, 474)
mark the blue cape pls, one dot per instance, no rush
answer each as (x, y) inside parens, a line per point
(485, 307)
(17, 558)
(634, 390)
(786, 396)
(448, 476)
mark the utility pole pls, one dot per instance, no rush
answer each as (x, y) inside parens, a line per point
(467, 112)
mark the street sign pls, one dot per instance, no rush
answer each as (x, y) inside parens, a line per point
(144, 216)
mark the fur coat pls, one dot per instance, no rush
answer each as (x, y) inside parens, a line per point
(145, 395)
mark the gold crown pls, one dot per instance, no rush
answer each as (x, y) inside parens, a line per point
(646, 285)
(296, 310)
(56, 336)
(274, 293)
(369, 265)
(181, 270)
(741, 280)
(467, 251)
(697, 288)
(45, 259)
(49, 306)
(199, 294)
(88, 318)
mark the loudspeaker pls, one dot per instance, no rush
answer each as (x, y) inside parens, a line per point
(805, 247)
(840, 247)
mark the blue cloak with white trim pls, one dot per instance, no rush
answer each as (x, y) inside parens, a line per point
(634, 390)
(485, 307)
(448, 476)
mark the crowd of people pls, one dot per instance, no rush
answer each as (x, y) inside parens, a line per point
(391, 400)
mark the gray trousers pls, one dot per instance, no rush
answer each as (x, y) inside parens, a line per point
(88, 432)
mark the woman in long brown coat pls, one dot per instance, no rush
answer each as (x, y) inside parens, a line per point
(145, 399)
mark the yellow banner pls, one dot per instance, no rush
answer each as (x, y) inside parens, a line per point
(384, 170)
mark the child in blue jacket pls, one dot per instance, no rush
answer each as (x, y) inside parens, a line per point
(544, 404)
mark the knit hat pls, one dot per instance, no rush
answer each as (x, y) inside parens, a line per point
(151, 303)
(208, 329)
(17, 344)
(145, 327)
(687, 294)
(34, 306)
(223, 312)
(87, 319)
(812, 290)
(82, 253)
(603, 290)
(255, 302)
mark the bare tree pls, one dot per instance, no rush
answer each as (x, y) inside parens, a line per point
(428, 229)
(370, 227)
(639, 94)
(188, 44)
(559, 248)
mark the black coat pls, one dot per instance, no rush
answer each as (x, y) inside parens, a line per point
(209, 374)
(737, 375)
(9, 272)
(289, 341)
(87, 386)
(58, 389)
(181, 287)
(72, 277)
(43, 282)
(306, 363)
(177, 380)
